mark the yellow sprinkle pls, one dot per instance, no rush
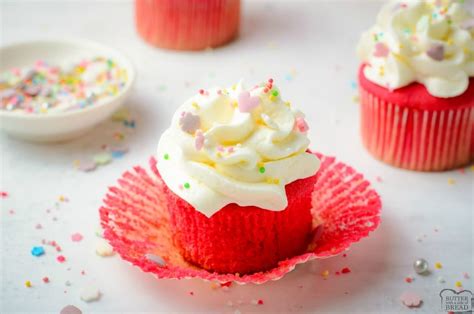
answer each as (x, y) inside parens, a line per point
(458, 284)
(355, 99)
(76, 163)
(234, 87)
(325, 274)
(235, 104)
(450, 42)
(214, 285)
(28, 284)
(195, 105)
(219, 154)
(272, 98)
(438, 265)
(451, 181)
(382, 71)
(62, 198)
(288, 104)
(260, 164)
(401, 46)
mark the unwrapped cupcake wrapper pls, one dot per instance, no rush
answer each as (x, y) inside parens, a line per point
(423, 140)
(187, 24)
(136, 222)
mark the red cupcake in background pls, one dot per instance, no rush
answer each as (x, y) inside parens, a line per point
(417, 87)
(187, 24)
(239, 179)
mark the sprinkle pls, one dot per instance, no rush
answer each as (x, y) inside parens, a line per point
(199, 141)
(381, 50)
(408, 279)
(129, 123)
(61, 259)
(441, 280)
(301, 125)
(90, 293)
(103, 248)
(261, 169)
(345, 270)
(63, 199)
(270, 80)
(45, 279)
(355, 99)
(451, 181)
(246, 102)
(76, 237)
(436, 52)
(102, 158)
(28, 284)
(70, 309)
(438, 265)
(121, 115)
(67, 283)
(195, 105)
(166, 157)
(3, 194)
(272, 181)
(189, 122)
(466, 275)
(411, 299)
(191, 293)
(458, 284)
(37, 251)
(275, 93)
(186, 185)
(87, 165)
(325, 274)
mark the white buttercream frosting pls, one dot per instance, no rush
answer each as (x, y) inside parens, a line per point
(425, 41)
(235, 146)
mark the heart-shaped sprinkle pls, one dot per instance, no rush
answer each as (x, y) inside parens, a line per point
(381, 50)
(189, 122)
(246, 102)
(411, 299)
(301, 125)
(199, 141)
(436, 52)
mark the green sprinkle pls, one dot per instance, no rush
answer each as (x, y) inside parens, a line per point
(262, 169)
(110, 63)
(275, 93)
(187, 185)
(166, 156)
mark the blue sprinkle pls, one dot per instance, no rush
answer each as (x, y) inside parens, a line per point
(288, 77)
(354, 84)
(37, 251)
(118, 153)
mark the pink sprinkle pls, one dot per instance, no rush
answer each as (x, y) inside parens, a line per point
(344, 255)
(61, 259)
(301, 125)
(83, 272)
(346, 270)
(3, 194)
(46, 280)
(11, 212)
(381, 50)
(408, 280)
(39, 226)
(466, 275)
(76, 237)
(220, 148)
(411, 299)
(199, 141)
(191, 293)
(180, 187)
(219, 92)
(230, 149)
(260, 301)
(378, 179)
(58, 249)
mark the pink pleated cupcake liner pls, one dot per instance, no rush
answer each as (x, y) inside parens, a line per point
(424, 140)
(187, 24)
(136, 222)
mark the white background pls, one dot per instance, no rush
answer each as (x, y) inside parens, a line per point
(314, 43)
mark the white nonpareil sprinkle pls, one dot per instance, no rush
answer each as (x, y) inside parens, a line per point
(90, 293)
(104, 249)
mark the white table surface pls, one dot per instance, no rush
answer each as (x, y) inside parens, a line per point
(314, 42)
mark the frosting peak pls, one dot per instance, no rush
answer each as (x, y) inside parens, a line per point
(235, 146)
(425, 41)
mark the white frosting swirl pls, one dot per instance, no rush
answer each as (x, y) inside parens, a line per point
(425, 41)
(235, 146)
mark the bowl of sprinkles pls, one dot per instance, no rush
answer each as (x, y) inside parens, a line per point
(54, 91)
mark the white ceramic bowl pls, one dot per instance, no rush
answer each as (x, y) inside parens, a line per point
(60, 126)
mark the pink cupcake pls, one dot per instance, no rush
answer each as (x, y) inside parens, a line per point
(417, 87)
(187, 24)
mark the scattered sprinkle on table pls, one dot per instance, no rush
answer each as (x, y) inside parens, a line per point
(438, 265)
(345, 270)
(44, 88)
(28, 284)
(441, 280)
(409, 279)
(90, 293)
(103, 248)
(70, 309)
(102, 158)
(451, 181)
(76, 237)
(411, 299)
(3, 194)
(45, 279)
(61, 259)
(458, 284)
(325, 274)
(37, 251)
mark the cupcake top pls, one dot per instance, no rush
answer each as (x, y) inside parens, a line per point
(235, 146)
(425, 41)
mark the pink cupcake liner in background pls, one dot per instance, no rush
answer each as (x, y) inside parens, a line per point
(136, 222)
(187, 24)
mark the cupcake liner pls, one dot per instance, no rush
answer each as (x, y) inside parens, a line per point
(187, 24)
(136, 222)
(416, 139)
